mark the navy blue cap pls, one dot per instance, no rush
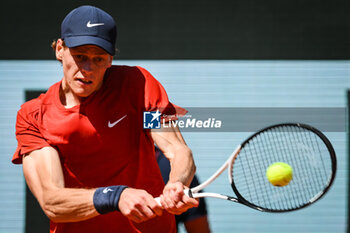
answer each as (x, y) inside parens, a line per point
(89, 25)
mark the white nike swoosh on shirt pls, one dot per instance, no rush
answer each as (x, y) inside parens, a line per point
(111, 125)
(90, 25)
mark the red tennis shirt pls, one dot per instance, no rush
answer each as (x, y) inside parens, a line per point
(101, 142)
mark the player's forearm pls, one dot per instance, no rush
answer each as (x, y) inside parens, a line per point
(182, 166)
(69, 205)
(172, 144)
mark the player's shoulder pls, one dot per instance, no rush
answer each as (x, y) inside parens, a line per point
(29, 111)
(129, 71)
(126, 68)
(34, 105)
(31, 106)
(133, 78)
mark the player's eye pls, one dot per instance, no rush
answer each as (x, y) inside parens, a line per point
(98, 59)
(79, 57)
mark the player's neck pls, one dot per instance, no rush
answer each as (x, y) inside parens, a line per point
(68, 98)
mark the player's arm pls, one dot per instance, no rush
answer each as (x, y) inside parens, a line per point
(43, 173)
(44, 176)
(182, 169)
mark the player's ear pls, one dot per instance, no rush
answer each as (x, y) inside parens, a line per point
(59, 49)
(110, 59)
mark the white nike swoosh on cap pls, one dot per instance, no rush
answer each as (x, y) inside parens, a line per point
(111, 125)
(90, 25)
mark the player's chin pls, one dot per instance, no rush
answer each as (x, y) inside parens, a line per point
(83, 92)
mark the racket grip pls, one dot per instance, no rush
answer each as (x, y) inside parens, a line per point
(157, 199)
(187, 192)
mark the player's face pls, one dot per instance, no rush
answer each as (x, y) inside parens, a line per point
(83, 69)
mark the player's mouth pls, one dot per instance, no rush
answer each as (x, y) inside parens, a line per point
(84, 81)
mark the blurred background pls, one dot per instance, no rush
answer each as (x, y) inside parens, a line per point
(234, 54)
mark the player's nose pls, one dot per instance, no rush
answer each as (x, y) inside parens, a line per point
(87, 66)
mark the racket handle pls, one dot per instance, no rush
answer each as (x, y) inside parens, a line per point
(187, 192)
(157, 199)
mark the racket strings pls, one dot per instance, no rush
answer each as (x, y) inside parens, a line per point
(250, 192)
(320, 168)
(298, 147)
(275, 205)
(262, 197)
(319, 152)
(303, 191)
(312, 173)
(281, 144)
(275, 152)
(262, 186)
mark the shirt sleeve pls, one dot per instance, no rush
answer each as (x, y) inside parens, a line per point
(28, 134)
(156, 98)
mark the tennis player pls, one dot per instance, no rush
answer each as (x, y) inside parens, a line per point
(85, 154)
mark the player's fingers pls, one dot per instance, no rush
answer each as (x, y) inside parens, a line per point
(147, 212)
(149, 207)
(167, 202)
(157, 209)
(190, 201)
(177, 192)
(175, 208)
(174, 190)
(140, 206)
(184, 205)
(134, 215)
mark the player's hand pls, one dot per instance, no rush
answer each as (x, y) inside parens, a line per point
(138, 205)
(174, 199)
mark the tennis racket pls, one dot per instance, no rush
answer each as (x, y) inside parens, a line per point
(303, 147)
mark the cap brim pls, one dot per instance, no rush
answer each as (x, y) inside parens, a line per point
(76, 41)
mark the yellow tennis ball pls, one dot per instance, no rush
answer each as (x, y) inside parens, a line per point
(279, 174)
